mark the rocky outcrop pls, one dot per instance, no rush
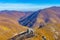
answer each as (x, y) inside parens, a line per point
(24, 35)
(29, 20)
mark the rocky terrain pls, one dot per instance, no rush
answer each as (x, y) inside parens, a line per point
(44, 24)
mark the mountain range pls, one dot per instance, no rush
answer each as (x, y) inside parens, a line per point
(44, 22)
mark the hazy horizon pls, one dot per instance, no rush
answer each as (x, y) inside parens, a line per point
(27, 5)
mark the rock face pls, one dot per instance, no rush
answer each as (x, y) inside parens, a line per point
(49, 15)
(29, 20)
(23, 35)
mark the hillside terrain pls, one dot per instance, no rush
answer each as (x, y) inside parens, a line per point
(42, 24)
(45, 22)
(9, 25)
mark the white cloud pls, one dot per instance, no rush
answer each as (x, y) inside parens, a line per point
(22, 6)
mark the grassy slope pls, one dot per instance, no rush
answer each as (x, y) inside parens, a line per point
(47, 32)
(9, 26)
(51, 29)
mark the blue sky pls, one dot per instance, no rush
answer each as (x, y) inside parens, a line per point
(26, 5)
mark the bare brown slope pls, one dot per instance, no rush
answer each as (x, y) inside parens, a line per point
(48, 24)
(9, 25)
(49, 15)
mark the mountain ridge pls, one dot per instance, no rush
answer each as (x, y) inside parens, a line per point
(45, 23)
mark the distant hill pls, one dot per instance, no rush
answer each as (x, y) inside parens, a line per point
(9, 25)
(48, 15)
(45, 22)
(29, 20)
